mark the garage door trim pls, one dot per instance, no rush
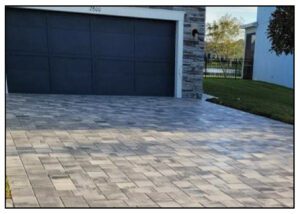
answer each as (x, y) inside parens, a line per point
(145, 13)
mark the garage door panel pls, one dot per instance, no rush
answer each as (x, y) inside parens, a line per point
(25, 18)
(69, 42)
(154, 78)
(154, 68)
(114, 77)
(69, 21)
(113, 45)
(155, 28)
(154, 48)
(112, 85)
(155, 86)
(71, 75)
(25, 42)
(115, 25)
(27, 74)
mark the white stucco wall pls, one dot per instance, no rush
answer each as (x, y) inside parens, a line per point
(268, 66)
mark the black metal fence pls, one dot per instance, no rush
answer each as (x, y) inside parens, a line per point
(223, 68)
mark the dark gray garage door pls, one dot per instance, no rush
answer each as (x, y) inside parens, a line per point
(68, 53)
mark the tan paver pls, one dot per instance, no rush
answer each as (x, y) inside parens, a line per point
(63, 184)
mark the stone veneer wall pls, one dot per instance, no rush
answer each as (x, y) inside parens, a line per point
(193, 50)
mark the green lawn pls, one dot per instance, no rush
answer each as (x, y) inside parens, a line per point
(256, 97)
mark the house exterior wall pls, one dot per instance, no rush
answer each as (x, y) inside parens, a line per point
(193, 51)
(268, 66)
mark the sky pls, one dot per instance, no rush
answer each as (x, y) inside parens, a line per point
(245, 14)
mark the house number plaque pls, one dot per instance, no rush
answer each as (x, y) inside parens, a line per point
(95, 9)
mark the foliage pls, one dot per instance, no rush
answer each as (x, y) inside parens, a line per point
(236, 50)
(7, 190)
(281, 30)
(222, 37)
(256, 97)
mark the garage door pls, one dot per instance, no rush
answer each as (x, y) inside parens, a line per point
(69, 53)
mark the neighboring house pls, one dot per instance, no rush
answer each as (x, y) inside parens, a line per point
(250, 30)
(155, 51)
(267, 66)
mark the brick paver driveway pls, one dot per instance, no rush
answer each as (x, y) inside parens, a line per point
(102, 151)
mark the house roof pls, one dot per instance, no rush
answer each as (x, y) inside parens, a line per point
(250, 25)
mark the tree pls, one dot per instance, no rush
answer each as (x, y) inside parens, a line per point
(222, 37)
(280, 30)
(222, 40)
(236, 49)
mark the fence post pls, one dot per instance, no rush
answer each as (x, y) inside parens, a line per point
(205, 65)
(235, 70)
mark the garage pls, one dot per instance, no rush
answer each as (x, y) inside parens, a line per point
(75, 53)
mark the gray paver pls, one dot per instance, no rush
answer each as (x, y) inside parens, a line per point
(112, 151)
(74, 201)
